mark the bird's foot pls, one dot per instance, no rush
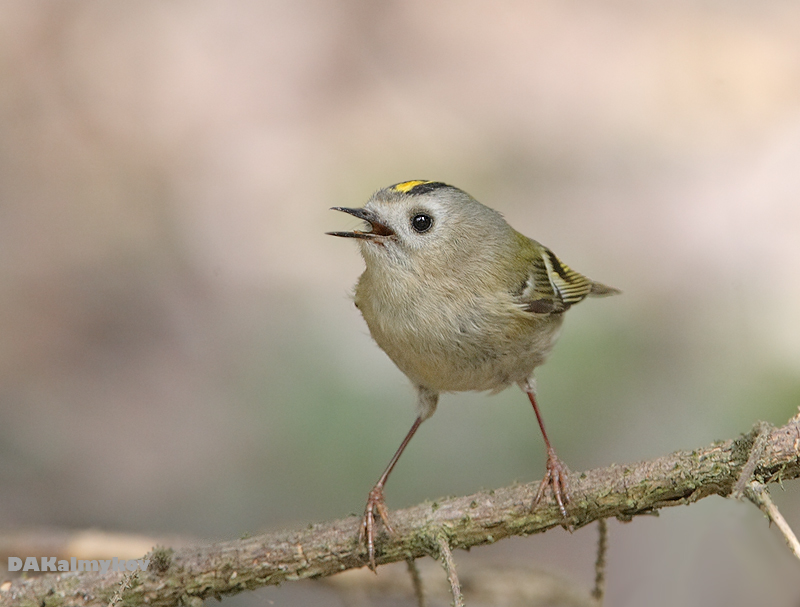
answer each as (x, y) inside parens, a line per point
(375, 504)
(556, 479)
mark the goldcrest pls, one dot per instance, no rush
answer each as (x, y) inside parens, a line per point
(459, 300)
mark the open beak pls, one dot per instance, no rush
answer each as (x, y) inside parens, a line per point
(377, 229)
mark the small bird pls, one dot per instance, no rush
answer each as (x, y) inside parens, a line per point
(460, 301)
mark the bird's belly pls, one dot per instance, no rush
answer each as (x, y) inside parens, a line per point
(449, 356)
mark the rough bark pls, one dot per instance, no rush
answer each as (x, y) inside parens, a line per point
(323, 549)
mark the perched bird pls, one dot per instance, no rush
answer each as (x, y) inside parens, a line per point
(459, 301)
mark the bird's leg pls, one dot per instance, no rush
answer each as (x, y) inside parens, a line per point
(376, 503)
(556, 476)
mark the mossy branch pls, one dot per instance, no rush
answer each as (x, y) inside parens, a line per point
(323, 549)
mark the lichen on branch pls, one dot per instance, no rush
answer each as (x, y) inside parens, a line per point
(323, 549)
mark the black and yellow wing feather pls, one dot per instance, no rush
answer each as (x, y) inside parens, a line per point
(552, 286)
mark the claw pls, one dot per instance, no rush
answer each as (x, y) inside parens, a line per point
(375, 502)
(556, 479)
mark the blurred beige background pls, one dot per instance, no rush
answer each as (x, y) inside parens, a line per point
(178, 351)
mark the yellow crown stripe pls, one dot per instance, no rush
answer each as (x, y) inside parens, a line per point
(408, 185)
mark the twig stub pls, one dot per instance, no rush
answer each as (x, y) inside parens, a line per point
(616, 491)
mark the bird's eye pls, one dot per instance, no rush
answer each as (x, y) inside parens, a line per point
(421, 222)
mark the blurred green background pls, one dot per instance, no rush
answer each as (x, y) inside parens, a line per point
(178, 350)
